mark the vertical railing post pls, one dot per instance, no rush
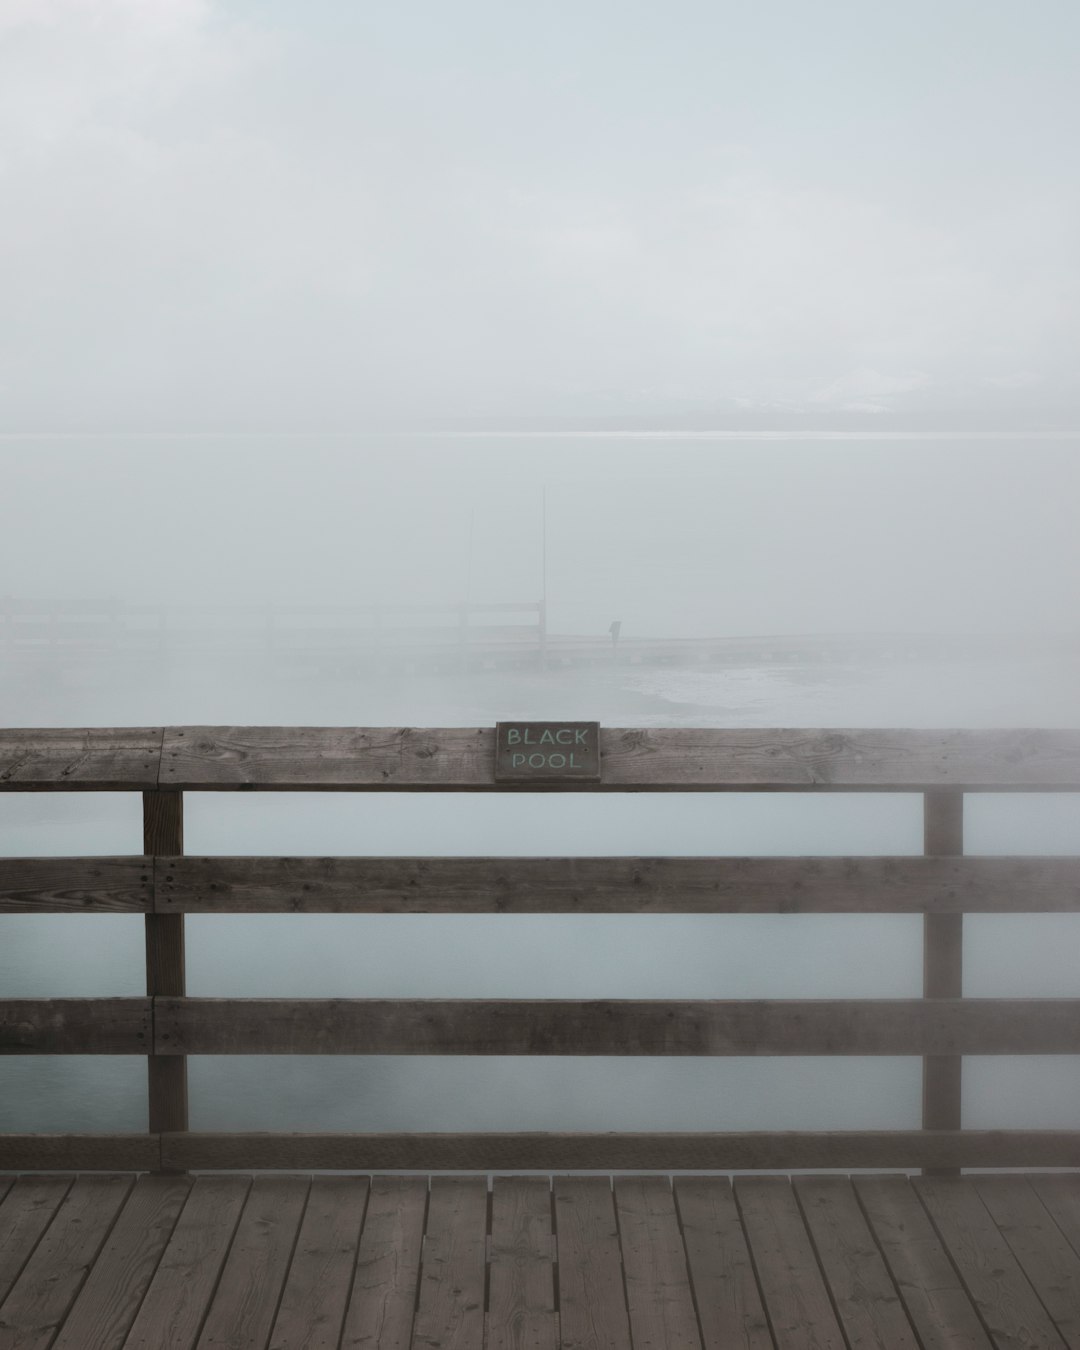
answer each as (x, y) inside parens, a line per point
(943, 967)
(163, 836)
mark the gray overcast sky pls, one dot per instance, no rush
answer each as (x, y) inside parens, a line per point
(219, 214)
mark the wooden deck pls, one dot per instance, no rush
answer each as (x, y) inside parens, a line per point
(174, 1262)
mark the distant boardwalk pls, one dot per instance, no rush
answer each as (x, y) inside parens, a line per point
(503, 636)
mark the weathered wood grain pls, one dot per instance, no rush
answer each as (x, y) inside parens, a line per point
(632, 759)
(863, 1294)
(76, 885)
(166, 1076)
(75, 1026)
(25, 1213)
(616, 1026)
(183, 1284)
(592, 1298)
(383, 1298)
(317, 1288)
(241, 1315)
(1006, 1302)
(725, 1288)
(932, 1292)
(792, 1287)
(1044, 1254)
(450, 1308)
(107, 1303)
(812, 885)
(521, 1280)
(684, 1151)
(40, 1298)
(658, 1297)
(88, 759)
(80, 1152)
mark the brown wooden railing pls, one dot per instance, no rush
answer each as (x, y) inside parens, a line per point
(162, 884)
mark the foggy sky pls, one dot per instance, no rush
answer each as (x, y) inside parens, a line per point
(268, 216)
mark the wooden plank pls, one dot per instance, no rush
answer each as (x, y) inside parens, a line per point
(229, 1026)
(26, 1212)
(1051, 1265)
(684, 1151)
(75, 1026)
(166, 1076)
(1061, 1197)
(592, 1301)
(521, 1290)
(932, 1292)
(633, 759)
(1008, 1306)
(450, 1309)
(863, 1293)
(316, 1292)
(946, 885)
(180, 1292)
(658, 1296)
(383, 1297)
(943, 962)
(80, 1152)
(107, 1303)
(726, 1293)
(242, 1312)
(88, 759)
(40, 1298)
(794, 1293)
(76, 885)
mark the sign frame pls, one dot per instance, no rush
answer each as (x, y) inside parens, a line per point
(547, 752)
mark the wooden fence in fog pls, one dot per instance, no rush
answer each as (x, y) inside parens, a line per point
(162, 884)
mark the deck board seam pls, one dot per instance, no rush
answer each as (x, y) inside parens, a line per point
(224, 1259)
(689, 1268)
(355, 1262)
(804, 1217)
(622, 1262)
(1054, 1322)
(292, 1254)
(860, 1202)
(92, 1262)
(40, 1237)
(766, 1309)
(994, 1341)
(157, 1263)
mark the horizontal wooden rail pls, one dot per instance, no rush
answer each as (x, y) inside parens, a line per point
(555, 1151)
(76, 1026)
(721, 885)
(462, 759)
(654, 885)
(76, 885)
(279, 1026)
(220, 1026)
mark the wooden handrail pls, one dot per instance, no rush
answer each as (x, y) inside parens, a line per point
(163, 885)
(461, 759)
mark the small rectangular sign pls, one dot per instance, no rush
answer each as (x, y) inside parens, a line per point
(547, 752)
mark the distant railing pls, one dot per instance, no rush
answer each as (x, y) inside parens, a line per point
(162, 884)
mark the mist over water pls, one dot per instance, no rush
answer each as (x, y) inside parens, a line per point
(673, 537)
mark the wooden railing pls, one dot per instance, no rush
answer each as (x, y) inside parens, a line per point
(162, 884)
